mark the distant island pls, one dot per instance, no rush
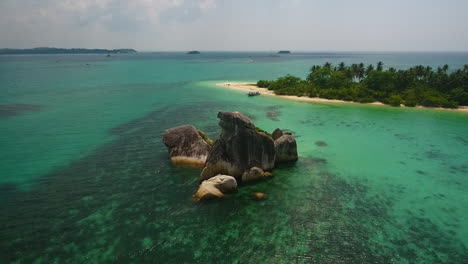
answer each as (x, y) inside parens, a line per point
(46, 50)
(193, 52)
(284, 52)
(416, 86)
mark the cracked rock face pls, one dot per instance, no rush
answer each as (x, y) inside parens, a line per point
(186, 146)
(239, 148)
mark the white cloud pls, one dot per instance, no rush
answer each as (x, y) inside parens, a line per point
(207, 4)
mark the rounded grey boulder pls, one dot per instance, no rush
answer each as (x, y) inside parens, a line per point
(286, 148)
(186, 146)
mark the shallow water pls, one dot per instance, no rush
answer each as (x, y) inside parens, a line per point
(86, 179)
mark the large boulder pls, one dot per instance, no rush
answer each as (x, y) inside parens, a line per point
(186, 145)
(239, 148)
(286, 148)
(215, 187)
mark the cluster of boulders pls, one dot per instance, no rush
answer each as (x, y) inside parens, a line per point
(242, 153)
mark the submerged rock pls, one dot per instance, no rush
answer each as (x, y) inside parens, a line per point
(215, 187)
(321, 143)
(10, 110)
(258, 196)
(286, 148)
(255, 174)
(186, 145)
(239, 148)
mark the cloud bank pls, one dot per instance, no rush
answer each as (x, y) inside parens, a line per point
(236, 25)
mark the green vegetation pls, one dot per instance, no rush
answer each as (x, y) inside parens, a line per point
(262, 131)
(205, 138)
(418, 85)
(46, 50)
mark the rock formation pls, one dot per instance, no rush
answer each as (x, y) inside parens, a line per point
(242, 153)
(286, 148)
(254, 174)
(215, 187)
(186, 145)
(239, 148)
(277, 134)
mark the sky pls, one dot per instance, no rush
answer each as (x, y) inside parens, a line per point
(237, 25)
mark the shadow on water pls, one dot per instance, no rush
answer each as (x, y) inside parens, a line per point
(126, 203)
(9, 110)
(273, 112)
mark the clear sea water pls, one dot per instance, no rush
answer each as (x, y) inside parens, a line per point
(85, 178)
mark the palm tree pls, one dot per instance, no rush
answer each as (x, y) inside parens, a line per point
(361, 71)
(428, 73)
(327, 65)
(419, 71)
(369, 69)
(445, 68)
(314, 68)
(354, 70)
(380, 66)
(342, 66)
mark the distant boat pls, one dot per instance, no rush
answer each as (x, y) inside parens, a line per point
(284, 52)
(108, 55)
(253, 93)
(193, 52)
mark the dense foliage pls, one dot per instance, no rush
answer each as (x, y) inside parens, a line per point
(418, 85)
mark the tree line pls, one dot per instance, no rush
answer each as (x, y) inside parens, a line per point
(419, 85)
(47, 50)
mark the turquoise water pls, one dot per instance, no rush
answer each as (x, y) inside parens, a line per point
(86, 179)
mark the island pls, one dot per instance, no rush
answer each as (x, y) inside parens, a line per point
(193, 52)
(47, 50)
(417, 86)
(284, 52)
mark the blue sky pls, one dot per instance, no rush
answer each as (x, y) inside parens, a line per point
(306, 25)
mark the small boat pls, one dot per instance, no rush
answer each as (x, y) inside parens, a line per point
(253, 93)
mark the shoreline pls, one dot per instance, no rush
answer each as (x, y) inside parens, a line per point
(252, 87)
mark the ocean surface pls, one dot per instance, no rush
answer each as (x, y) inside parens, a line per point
(85, 178)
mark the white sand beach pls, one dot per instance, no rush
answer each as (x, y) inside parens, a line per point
(252, 87)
